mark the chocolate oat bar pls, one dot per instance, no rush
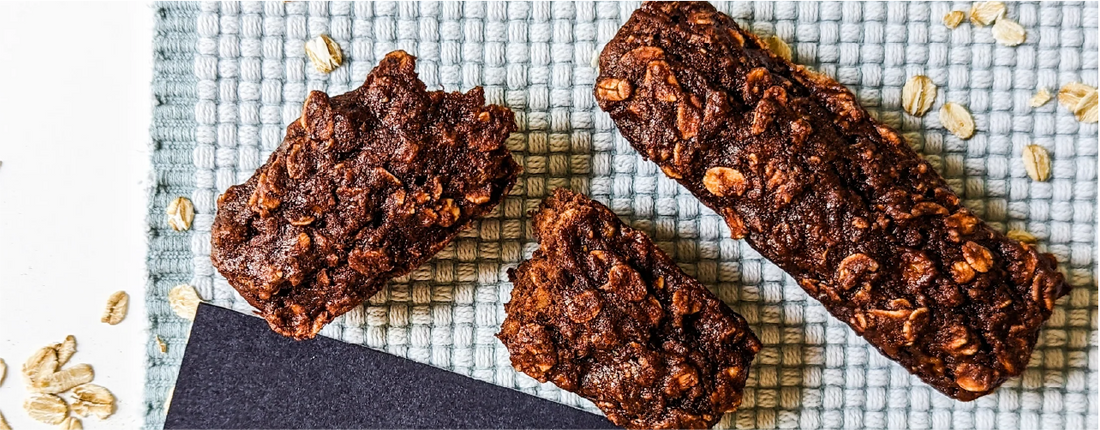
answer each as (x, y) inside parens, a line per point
(602, 312)
(365, 187)
(801, 171)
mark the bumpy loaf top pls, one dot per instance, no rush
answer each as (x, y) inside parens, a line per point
(366, 186)
(832, 196)
(599, 310)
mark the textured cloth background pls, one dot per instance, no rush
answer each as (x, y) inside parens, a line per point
(229, 77)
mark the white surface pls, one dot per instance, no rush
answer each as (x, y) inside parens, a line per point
(74, 111)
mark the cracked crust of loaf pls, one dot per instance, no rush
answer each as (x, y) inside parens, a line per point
(600, 311)
(365, 187)
(838, 200)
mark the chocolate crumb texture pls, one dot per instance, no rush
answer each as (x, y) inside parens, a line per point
(600, 311)
(365, 187)
(838, 200)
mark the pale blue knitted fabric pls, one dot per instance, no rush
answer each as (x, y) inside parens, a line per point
(230, 76)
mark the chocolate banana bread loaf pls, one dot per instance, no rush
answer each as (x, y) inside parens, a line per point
(365, 187)
(801, 171)
(599, 310)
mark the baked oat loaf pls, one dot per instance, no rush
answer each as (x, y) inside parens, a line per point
(365, 187)
(838, 200)
(599, 310)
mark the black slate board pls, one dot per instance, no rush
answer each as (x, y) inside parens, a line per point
(237, 373)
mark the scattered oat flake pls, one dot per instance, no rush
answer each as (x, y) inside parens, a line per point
(918, 94)
(65, 379)
(181, 213)
(3, 370)
(1022, 236)
(1037, 162)
(184, 301)
(985, 13)
(117, 305)
(93, 400)
(957, 120)
(161, 345)
(93, 393)
(1040, 98)
(46, 408)
(1072, 93)
(72, 423)
(1080, 99)
(1008, 32)
(779, 47)
(66, 350)
(41, 364)
(324, 53)
(954, 18)
(1086, 110)
(4, 423)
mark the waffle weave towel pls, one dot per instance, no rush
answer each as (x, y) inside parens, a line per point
(230, 76)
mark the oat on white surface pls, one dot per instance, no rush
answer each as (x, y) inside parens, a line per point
(117, 306)
(46, 408)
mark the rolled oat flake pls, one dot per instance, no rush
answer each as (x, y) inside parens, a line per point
(1008, 32)
(181, 212)
(956, 119)
(117, 306)
(918, 95)
(1036, 162)
(986, 13)
(1040, 98)
(324, 53)
(954, 18)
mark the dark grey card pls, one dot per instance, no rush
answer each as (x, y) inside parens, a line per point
(237, 373)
